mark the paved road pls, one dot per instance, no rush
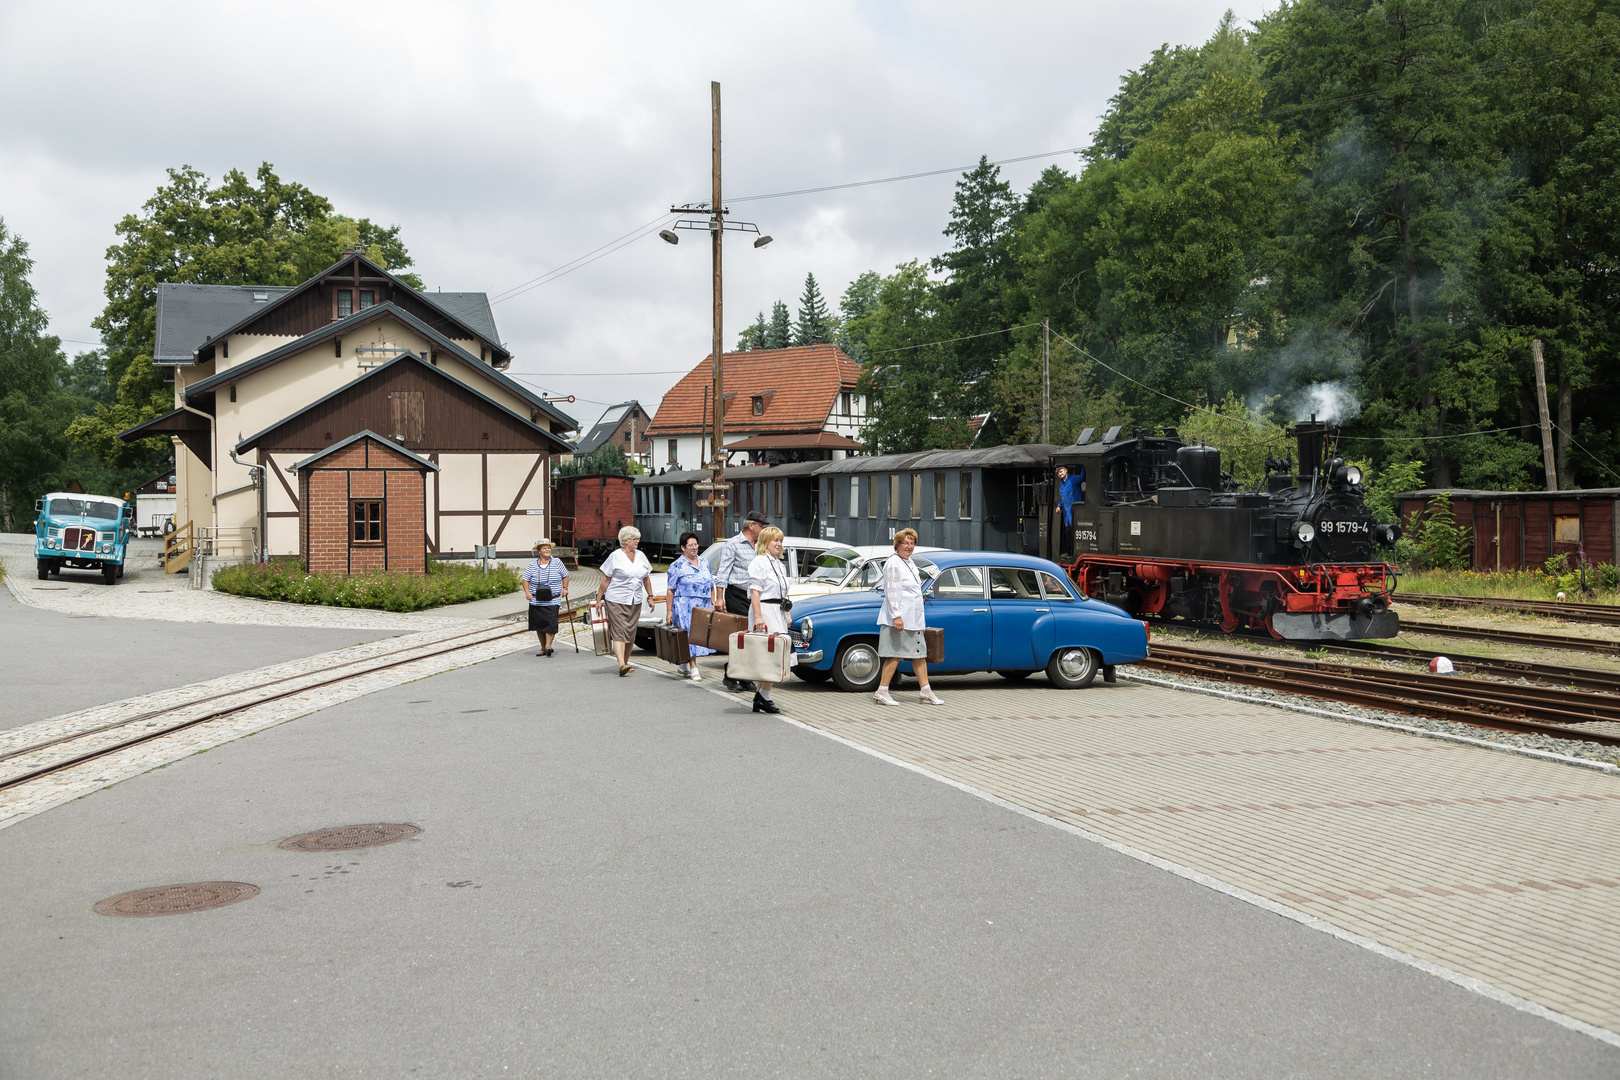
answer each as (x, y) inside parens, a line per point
(633, 877)
(52, 663)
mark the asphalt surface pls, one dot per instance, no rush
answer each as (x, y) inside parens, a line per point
(624, 877)
(51, 663)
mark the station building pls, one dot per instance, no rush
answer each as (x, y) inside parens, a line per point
(265, 377)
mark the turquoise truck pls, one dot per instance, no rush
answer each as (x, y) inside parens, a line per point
(82, 532)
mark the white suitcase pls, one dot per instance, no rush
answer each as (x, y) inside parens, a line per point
(599, 630)
(759, 657)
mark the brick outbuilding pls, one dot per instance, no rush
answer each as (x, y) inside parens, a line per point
(363, 506)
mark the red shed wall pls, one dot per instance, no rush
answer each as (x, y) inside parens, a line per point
(600, 505)
(365, 470)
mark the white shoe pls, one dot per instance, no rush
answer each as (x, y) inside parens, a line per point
(928, 697)
(697, 676)
(883, 698)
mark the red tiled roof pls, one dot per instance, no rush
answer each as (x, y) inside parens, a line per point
(813, 440)
(801, 387)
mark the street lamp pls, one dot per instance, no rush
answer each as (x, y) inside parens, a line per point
(717, 226)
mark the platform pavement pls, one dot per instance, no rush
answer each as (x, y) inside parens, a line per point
(1499, 867)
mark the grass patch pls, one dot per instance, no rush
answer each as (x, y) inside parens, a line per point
(1514, 584)
(445, 583)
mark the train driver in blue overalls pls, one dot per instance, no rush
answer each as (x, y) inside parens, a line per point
(1070, 490)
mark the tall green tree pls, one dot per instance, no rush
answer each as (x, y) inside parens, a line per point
(754, 336)
(34, 408)
(919, 400)
(242, 232)
(816, 324)
(978, 269)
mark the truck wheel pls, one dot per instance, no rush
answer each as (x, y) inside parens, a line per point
(1073, 668)
(120, 570)
(856, 668)
(44, 569)
(109, 574)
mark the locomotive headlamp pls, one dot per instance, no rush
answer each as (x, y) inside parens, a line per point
(1304, 532)
(1347, 474)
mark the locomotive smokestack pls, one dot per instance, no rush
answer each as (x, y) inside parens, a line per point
(1311, 436)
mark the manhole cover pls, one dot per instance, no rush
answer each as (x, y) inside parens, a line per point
(177, 899)
(349, 837)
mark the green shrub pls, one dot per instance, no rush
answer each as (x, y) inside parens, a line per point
(387, 590)
(1436, 541)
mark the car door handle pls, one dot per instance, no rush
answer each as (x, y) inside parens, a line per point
(981, 609)
(1043, 609)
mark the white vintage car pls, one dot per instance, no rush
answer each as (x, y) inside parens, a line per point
(845, 569)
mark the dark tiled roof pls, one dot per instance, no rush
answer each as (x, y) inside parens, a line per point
(605, 427)
(802, 384)
(356, 437)
(187, 315)
(471, 309)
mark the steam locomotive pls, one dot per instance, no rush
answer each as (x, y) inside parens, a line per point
(1153, 525)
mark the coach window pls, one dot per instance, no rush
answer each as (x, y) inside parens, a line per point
(894, 495)
(669, 500)
(832, 498)
(939, 495)
(871, 496)
(776, 496)
(1053, 588)
(854, 496)
(916, 495)
(367, 515)
(966, 510)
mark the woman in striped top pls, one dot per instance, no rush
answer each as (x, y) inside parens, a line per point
(544, 585)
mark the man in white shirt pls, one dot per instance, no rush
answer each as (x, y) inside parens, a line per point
(731, 579)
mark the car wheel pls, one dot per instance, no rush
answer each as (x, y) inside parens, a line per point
(812, 675)
(1015, 676)
(856, 668)
(1074, 668)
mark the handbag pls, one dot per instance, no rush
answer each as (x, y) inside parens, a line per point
(542, 594)
(934, 639)
(672, 644)
(713, 629)
(759, 657)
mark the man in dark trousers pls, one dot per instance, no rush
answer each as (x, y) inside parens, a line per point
(731, 579)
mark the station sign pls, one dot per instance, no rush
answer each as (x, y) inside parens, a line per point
(714, 502)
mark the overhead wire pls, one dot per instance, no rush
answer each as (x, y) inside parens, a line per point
(584, 260)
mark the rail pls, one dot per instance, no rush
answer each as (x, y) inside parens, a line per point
(179, 545)
(228, 541)
(1574, 612)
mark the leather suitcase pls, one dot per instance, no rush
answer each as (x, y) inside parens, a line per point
(934, 639)
(714, 629)
(671, 644)
(599, 630)
(759, 657)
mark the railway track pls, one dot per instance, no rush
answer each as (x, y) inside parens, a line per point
(1512, 637)
(1608, 614)
(22, 765)
(1603, 682)
(1538, 710)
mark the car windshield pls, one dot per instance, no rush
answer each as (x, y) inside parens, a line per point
(83, 508)
(833, 565)
(871, 572)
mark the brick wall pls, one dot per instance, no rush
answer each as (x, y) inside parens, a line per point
(365, 470)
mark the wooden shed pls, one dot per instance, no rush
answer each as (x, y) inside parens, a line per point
(363, 506)
(1521, 530)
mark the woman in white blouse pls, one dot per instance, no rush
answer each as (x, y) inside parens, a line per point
(767, 589)
(624, 579)
(900, 621)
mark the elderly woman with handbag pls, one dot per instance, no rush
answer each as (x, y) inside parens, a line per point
(900, 621)
(691, 584)
(767, 601)
(624, 585)
(545, 583)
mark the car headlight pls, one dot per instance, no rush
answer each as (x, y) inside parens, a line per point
(50, 543)
(807, 628)
(1305, 532)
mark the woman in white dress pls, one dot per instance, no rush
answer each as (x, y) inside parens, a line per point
(767, 589)
(621, 593)
(900, 621)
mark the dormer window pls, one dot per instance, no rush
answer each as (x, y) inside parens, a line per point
(759, 405)
(261, 296)
(345, 301)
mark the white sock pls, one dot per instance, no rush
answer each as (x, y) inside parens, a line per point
(766, 694)
(684, 668)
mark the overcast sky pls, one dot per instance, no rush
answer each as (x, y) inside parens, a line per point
(509, 139)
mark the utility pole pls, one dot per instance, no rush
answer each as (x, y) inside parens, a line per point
(1046, 379)
(1546, 421)
(717, 466)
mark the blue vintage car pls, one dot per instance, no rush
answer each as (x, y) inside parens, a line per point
(82, 532)
(1011, 614)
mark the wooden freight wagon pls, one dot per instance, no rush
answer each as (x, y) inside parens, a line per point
(589, 511)
(1521, 530)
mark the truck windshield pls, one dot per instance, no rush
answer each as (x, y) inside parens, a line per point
(83, 508)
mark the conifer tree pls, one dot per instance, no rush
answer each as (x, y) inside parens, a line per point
(780, 333)
(815, 326)
(753, 336)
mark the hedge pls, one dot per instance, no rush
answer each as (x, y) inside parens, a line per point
(387, 590)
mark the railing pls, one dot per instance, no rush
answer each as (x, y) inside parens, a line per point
(562, 531)
(228, 541)
(179, 546)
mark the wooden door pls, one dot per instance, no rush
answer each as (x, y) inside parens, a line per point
(405, 417)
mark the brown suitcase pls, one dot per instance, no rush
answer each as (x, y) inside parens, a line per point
(711, 628)
(671, 644)
(934, 639)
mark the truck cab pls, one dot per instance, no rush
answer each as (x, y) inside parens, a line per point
(82, 532)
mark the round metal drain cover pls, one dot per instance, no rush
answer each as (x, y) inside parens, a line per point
(349, 837)
(177, 899)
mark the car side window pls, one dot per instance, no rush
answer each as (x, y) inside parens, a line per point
(871, 574)
(960, 583)
(1054, 589)
(1013, 583)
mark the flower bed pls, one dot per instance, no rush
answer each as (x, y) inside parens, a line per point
(445, 583)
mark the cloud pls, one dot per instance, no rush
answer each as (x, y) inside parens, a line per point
(509, 138)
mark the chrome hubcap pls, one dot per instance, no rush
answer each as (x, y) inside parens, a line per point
(1074, 662)
(860, 663)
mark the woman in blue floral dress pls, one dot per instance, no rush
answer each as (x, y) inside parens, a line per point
(691, 585)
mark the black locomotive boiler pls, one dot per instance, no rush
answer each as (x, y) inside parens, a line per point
(1156, 527)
